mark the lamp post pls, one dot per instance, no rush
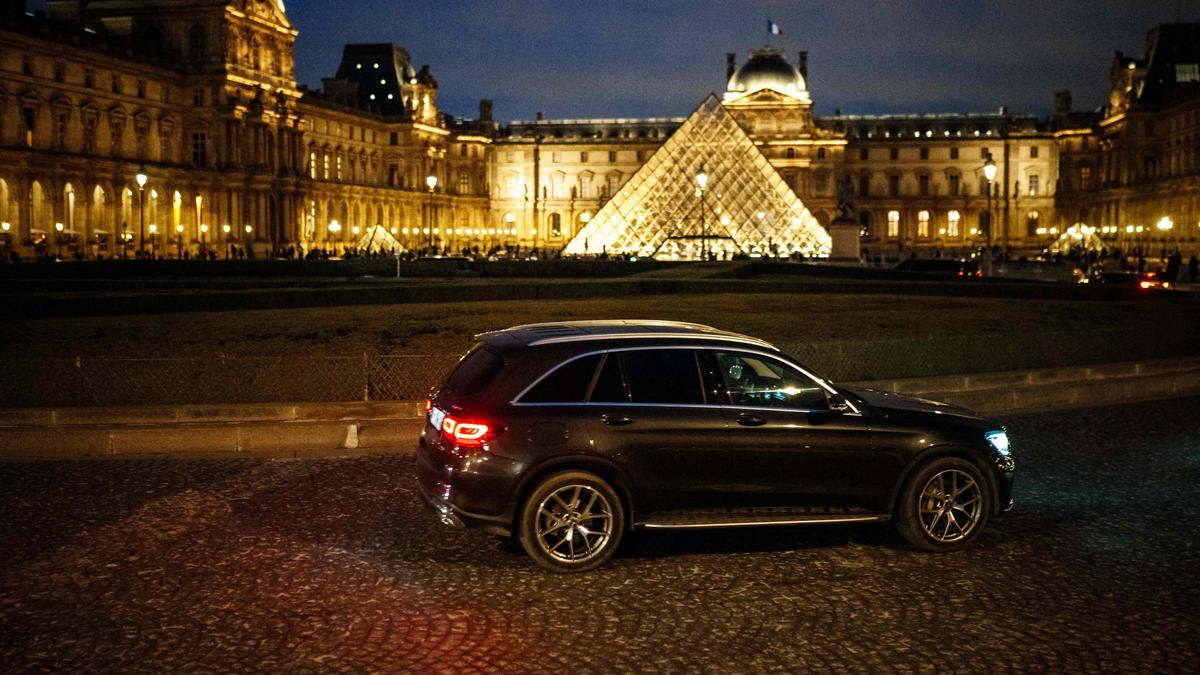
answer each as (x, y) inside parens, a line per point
(179, 241)
(141, 179)
(989, 172)
(153, 237)
(226, 229)
(702, 183)
(431, 182)
(249, 238)
(203, 231)
(5, 227)
(58, 229)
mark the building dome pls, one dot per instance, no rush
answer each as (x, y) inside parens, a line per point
(767, 69)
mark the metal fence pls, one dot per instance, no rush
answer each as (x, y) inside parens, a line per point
(84, 381)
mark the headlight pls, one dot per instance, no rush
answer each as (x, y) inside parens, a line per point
(998, 440)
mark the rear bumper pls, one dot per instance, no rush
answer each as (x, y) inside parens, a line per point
(466, 491)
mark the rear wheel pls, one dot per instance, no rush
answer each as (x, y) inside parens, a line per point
(571, 522)
(944, 506)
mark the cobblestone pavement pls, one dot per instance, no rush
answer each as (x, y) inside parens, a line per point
(333, 565)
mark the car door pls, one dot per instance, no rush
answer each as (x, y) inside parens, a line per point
(788, 447)
(649, 413)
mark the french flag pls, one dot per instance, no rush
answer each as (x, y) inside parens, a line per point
(773, 28)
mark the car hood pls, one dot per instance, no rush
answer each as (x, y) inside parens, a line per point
(894, 401)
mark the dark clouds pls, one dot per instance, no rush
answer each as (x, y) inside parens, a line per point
(624, 58)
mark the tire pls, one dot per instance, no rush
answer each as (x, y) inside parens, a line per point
(571, 522)
(945, 505)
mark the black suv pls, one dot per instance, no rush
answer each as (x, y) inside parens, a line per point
(569, 434)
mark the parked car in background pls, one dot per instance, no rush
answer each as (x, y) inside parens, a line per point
(1142, 280)
(942, 267)
(567, 435)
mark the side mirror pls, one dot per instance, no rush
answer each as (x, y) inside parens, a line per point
(838, 404)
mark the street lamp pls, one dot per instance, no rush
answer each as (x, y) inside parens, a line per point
(989, 172)
(141, 179)
(5, 227)
(702, 183)
(179, 241)
(58, 228)
(203, 231)
(431, 182)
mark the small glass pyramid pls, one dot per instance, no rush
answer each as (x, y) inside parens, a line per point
(746, 208)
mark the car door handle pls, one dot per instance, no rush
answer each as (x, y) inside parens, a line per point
(616, 420)
(751, 420)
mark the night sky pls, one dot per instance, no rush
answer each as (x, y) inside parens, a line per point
(642, 58)
(627, 58)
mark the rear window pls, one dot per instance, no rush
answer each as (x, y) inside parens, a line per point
(663, 376)
(474, 371)
(568, 383)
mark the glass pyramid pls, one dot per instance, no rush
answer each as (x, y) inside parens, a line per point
(746, 208)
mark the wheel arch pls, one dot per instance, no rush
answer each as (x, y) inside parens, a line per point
(604, 468)
(939, 452)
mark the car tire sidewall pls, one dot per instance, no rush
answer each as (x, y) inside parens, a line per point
(527, 520)
(909, 523)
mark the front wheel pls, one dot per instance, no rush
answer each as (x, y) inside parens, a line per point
(944, 506)
(571, 522)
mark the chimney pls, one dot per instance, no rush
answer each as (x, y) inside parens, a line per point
(485, 110)
(730, 65)
(539, 116)
(803, 65)
(1062, 102)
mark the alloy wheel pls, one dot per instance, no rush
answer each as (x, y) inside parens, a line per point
(574, 523)
(950, 507)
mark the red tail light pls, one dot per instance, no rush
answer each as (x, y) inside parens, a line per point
(428, 406)
(467, 433)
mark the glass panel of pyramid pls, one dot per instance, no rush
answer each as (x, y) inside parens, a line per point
(746, 208)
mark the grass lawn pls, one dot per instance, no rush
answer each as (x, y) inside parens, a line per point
(447, 327)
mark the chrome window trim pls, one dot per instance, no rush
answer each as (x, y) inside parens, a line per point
(516, 400)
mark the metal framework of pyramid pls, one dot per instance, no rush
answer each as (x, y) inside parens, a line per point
(746, 208)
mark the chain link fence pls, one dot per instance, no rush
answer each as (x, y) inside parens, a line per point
(83, 381)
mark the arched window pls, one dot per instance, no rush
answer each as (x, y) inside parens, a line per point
(953, 219)
(1031, 223)
(197, 44)
(893, 223)
(555, 225)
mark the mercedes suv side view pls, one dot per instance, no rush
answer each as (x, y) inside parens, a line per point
(567, 435)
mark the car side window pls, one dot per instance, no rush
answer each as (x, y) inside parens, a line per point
(763, 382)
(663, 376)
(567, 383)
(610, 386)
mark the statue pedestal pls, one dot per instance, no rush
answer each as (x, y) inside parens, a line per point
(846, 245)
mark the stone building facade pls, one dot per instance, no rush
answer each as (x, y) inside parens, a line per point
(200, 97)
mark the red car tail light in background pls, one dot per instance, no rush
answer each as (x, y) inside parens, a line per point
(467, 433)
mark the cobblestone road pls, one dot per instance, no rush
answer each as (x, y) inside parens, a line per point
(333, 565)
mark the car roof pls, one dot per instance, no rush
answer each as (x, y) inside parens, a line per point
(562, 332)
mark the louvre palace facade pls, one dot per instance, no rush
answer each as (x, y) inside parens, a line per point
(177, 125)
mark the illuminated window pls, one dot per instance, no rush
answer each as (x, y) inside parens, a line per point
(338, 175)
(555, 225)
(922, 223)
(325, 166)
(312, 165)
(1033, 185)
(464, 183)
(893, 224)
(953, 219)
